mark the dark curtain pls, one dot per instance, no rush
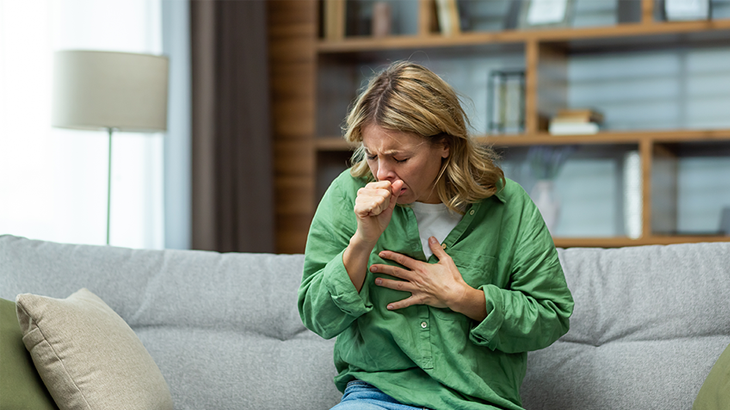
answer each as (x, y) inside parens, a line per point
(232, 184)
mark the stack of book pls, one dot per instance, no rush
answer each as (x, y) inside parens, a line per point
(575, 122)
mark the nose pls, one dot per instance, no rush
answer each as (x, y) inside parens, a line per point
(384, 172)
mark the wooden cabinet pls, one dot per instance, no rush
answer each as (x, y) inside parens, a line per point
(317, 70)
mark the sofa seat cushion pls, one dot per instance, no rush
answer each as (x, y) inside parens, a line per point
(21, 387)
(87, 356)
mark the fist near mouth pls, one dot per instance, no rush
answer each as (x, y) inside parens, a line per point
(376, 197)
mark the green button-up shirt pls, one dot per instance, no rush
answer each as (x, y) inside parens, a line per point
(435, 357)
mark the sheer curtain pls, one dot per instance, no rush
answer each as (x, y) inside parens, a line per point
(53, 181)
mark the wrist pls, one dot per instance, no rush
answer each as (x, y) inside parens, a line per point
(471, 303)
(360, 244)
(355, 258)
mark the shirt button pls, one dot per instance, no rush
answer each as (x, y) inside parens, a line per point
(424, 325)
(443, 246)
(471, 212)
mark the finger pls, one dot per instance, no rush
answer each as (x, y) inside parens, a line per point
(402, 303)
(391, 271)
(436, 248)
(379, 185)
(394, 284)
(399, 258)
(396, 187)
(395, 193)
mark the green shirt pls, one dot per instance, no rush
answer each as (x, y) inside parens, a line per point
(434, 357)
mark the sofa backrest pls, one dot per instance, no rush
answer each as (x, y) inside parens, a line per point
(223, 328)
(649, 323)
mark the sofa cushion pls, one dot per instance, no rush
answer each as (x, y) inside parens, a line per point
(21, 387)
(715, 391)
(88, 357)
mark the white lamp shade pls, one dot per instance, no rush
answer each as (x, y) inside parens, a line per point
(100, 89)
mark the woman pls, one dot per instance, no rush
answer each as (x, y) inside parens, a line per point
(436, 274)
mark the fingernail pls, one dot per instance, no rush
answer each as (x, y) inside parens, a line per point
(373, 268)
(378, 281)
(390, 307)
(432, 239)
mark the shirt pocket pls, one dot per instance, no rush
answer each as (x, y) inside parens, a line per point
(477, 269)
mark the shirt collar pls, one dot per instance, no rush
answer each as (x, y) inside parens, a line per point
(500, 191)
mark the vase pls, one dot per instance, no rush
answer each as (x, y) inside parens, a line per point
(547, 201)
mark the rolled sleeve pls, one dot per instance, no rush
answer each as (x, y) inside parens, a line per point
(487, 331)
(343, 292)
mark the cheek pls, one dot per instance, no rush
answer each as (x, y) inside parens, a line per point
(373, 167)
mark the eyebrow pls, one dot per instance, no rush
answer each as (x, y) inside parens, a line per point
(391, 152)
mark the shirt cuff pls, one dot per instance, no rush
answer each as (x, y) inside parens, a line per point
(486, 333)
(343, 292)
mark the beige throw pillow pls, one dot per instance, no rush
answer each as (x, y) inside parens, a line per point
(87, 355)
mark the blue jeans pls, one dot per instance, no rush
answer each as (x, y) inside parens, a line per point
(363, 396)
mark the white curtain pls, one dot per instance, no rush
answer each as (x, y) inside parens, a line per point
(53, 182)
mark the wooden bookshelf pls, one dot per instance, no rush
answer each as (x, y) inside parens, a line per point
(603, 137)
(301, 144)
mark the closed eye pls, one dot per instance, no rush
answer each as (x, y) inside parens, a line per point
(373, 157)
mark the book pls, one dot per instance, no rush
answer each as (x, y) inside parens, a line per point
(579, 115)
(633, 200)
(572, 128)
(334, 19)
(575, 122)
(448, 17)
(382, 19)
(679, 10)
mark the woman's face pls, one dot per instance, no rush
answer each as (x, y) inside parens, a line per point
(394, 155)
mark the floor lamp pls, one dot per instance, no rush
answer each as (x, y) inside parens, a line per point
(111, 91)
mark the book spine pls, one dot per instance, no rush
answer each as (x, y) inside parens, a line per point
(334, 19)
(448, 17)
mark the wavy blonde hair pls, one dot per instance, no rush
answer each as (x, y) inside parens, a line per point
(408, 97)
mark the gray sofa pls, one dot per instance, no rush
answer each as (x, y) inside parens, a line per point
(649, 323)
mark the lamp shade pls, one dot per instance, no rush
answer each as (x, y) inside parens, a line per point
(101, 89)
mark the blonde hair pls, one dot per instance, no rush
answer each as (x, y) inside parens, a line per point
(408, 97)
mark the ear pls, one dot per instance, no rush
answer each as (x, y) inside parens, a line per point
(445, 150)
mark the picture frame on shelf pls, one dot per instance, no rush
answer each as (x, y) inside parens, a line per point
(686, 10)
(546, 13)
(488, 16)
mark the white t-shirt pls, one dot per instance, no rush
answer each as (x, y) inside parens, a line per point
(434, 220)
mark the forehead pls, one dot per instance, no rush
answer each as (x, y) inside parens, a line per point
(378, 139)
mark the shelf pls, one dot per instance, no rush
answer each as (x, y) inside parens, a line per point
(619, 242)
(609, 137)
(604, 137)
(309, 111)
(624, 33)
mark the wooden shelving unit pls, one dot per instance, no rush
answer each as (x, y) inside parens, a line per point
(300, 142)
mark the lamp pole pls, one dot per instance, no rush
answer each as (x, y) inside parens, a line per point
(109, 188)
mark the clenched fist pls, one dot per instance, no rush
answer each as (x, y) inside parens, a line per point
(374, 207)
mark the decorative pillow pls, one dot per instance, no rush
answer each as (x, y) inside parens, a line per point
(715, 391)
(88, 357)
(21, 387)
